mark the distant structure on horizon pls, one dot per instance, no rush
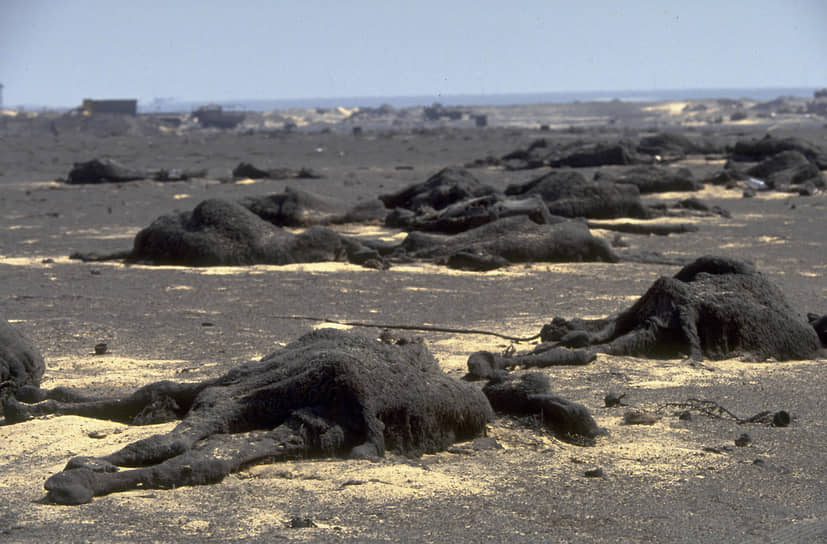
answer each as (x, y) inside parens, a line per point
(213, 115)
(121, 106)
(1, 96)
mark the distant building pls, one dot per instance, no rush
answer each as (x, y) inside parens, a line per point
(213, 115)
(122, 107)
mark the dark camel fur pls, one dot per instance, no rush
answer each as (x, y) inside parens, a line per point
(328, 393)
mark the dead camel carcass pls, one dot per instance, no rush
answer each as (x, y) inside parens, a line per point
(20, 363)
(713, 308)
(327, 393)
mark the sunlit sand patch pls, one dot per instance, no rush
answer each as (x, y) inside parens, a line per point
(322, 267)
(659, 220)
(428, 289)
(699, 161)
(515, 270)
(774, 195)
(245, 181)
(85, 372)
(331, 267)
(646, 373)
(328, 325)
(266, 521)
(56, 437)
(376, 481)
(178, 288)
(181, 196)
(374, 232)
(665, 451)
(671, 108)
(587, 269)
(104, 233)
(772, 240)
(660, 453)
(429, 268)
(748, 121)
(614, 298)
(50, 184)
(34, 261)
(708, 192)
(49, 443)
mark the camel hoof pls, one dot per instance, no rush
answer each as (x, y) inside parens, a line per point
(30, 394)
(70, 487)
(91, 463)
(15, 412)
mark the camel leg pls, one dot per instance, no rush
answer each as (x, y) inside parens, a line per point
(208, 462)
(193, 467)
(640, 341)
(31, 394)
(123, 410)
(196, 426)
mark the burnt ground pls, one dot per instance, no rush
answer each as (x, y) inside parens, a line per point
(673, 481)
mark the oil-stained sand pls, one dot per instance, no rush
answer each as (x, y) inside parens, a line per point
(661, 483)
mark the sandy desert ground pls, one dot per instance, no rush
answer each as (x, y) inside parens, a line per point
(673, 481)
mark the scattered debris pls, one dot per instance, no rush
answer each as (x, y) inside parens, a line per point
(614, 399)
(637, 417)
(712, 409)
(301, 523)
(594, 473)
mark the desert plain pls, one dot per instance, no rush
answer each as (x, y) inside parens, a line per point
(677, 480)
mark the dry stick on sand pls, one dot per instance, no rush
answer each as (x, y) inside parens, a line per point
(429, 328)
(712, 409)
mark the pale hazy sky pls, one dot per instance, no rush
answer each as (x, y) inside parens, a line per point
(56, 52)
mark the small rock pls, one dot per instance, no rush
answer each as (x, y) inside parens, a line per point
(781, 419)
(613, 399)
(686, 415)
(100, 349)
(743, 440)
(207, 324)
(95, 272)
(97, 434)
(635, 417)
(301, 523)
(594, 473)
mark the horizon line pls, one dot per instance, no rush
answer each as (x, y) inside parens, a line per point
(478, 99)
